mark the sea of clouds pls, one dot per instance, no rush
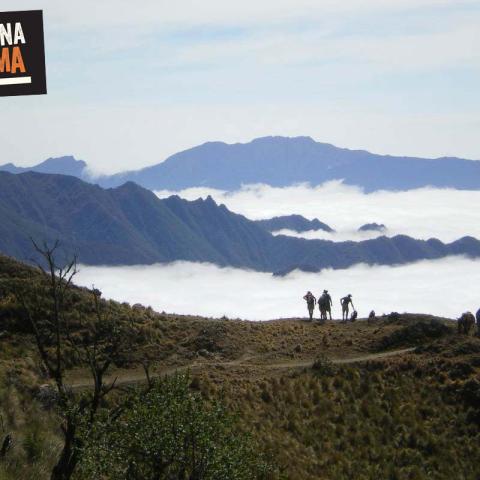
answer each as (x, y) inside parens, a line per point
(445, 287)
(446, 214)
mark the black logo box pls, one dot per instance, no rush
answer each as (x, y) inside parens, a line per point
(33, 54)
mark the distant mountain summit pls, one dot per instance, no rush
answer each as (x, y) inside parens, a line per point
(281, 162)
(297, 223)
(130, 225)
(372, 227)
(62, 165)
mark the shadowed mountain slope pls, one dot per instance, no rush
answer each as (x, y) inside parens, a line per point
(130, 225)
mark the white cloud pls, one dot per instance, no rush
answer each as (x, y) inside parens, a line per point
(337, 236)
(424, 213)
(120, 13)
(366, 54)
(444, 287)
(271, 38)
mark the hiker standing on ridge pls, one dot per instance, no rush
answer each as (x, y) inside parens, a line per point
(346, 302)
(311, 300)
(325, 305)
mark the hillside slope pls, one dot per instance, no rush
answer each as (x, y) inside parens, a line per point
(130, 225)
(393, 398)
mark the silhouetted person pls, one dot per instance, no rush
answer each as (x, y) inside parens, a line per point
(325, 305)
(346, 302)
(371, 316)
(465, 323)
(354, 316)
(311, 300)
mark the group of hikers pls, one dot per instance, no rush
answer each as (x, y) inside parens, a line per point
(325, 306)
(465, 323)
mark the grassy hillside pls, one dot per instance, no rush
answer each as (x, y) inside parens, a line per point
(396, 398)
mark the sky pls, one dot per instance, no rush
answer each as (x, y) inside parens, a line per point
(445, 287)
(446, 214)
(131, 83)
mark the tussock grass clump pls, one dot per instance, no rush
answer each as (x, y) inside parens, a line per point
(415, 334)
(394, 421)
(323, 366)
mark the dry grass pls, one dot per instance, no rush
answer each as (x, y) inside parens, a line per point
(412, 416)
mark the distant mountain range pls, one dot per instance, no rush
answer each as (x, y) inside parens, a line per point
(61, 166)
(280, 162)
(131, 225)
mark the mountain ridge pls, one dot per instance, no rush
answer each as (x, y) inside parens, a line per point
(130, 225)
(280, 162)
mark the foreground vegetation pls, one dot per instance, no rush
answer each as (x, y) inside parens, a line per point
(271, 396)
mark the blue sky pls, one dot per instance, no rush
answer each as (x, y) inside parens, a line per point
(130, 84)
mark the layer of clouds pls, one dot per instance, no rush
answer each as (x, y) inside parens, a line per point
(445, 214)
(399, 52)
(337, 236)
(444, 287)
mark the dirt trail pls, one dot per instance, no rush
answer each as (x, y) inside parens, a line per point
(128, 377)
(342, 361)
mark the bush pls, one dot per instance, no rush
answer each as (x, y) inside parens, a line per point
(470, 393)
(323, 366)
(416, 334)
(170, 432)
(467, 347)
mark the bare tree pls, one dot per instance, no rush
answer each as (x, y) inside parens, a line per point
(101, 343)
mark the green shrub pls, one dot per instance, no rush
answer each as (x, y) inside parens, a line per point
(170, 432)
